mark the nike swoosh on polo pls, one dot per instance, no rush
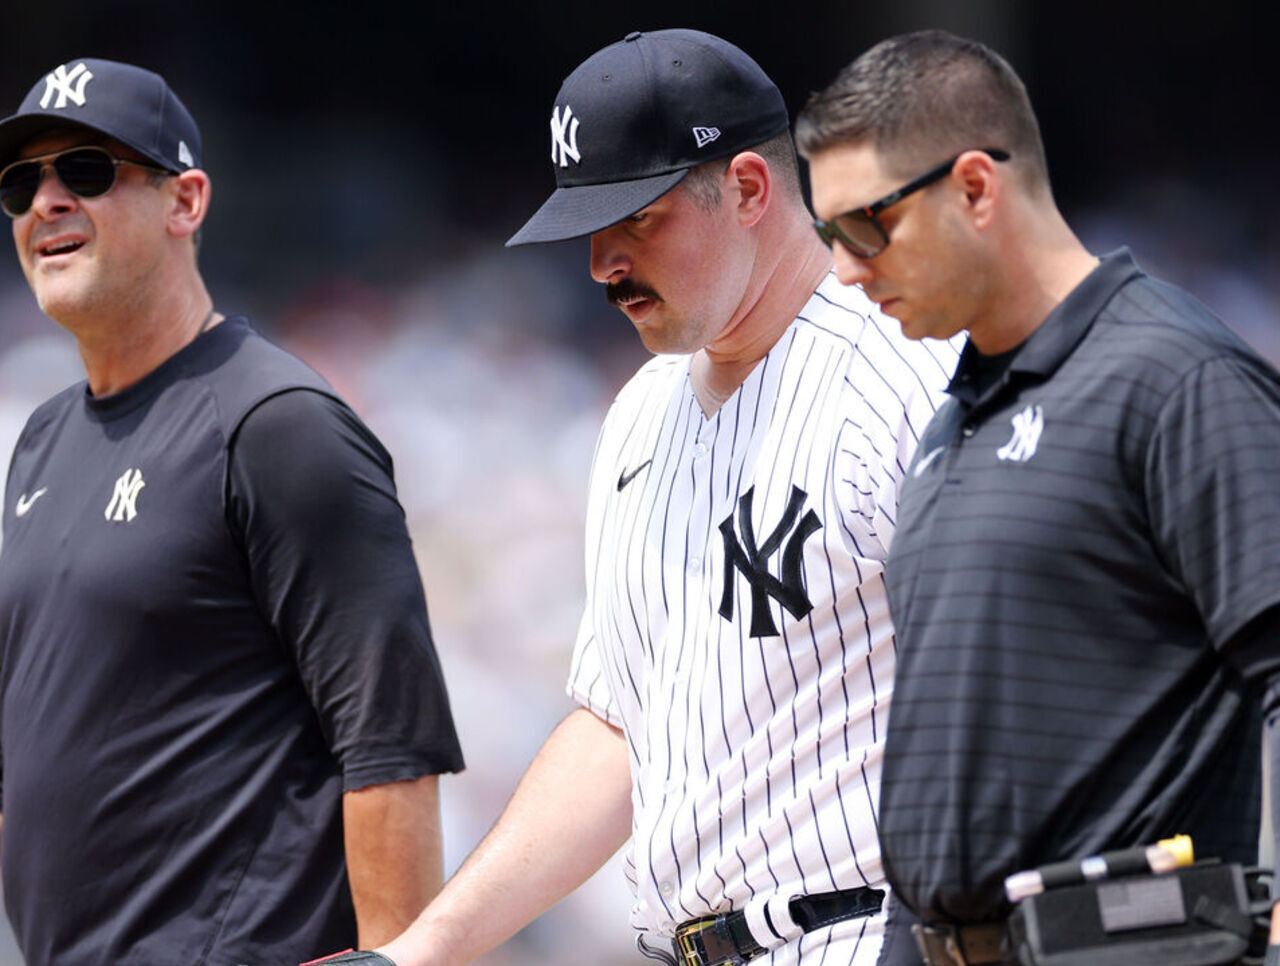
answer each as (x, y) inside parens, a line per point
(626, 477)
(24, 504)
(928, 458)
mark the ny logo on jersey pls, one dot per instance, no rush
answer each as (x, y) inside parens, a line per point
(1027, 426)
(564, 137)
(124, 501)
(753, 561)
(60, 81)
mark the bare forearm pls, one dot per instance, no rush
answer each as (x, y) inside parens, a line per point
(569, 814)
(394, 854)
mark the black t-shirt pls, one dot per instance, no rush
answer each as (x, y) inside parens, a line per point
(1076, 547)
(211, 625)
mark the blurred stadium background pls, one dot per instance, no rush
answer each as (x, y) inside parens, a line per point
(370, 159)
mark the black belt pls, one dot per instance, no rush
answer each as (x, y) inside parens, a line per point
(944, 944)
(727, 938)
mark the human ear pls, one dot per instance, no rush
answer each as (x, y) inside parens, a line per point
(191, 193)
(749, 176)
(980, 182)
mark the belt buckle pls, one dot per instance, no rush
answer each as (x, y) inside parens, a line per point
(699, 942)
(938, 945)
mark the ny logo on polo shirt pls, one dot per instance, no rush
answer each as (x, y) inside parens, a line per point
(59, 81)
(1027, 426)
(564, 137)
(124, 501)
(753, 562)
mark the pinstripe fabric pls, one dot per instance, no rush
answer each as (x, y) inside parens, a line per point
(755, 759)
(1075, 549)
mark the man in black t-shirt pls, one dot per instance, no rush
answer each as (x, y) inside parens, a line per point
(222, 716)
(1084, 574)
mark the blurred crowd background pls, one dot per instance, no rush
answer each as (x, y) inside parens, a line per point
(369, 160)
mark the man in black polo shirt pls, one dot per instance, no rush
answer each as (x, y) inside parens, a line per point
(1086, 570)
(221, 712)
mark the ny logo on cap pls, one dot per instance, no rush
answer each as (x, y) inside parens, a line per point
(565, 148)
(61, 80)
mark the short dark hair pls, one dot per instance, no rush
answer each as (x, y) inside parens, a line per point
(919, 98)
(779, 152)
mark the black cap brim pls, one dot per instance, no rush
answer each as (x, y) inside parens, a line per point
(584, 209)
(17, 130)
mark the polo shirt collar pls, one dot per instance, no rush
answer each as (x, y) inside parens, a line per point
(1063, 328)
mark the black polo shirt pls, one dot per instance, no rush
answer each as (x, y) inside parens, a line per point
(1076, 545)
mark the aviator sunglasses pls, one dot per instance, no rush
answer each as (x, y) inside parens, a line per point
(87, 172)
(860, 230)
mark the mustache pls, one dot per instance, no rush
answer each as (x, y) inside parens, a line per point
(627, 289)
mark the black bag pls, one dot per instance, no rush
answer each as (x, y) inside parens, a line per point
(1201, 915)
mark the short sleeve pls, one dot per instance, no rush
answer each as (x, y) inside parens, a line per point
(587, 684)
(310, 495)
(1211, 482)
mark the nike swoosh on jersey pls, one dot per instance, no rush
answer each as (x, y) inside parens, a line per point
(24, 504)
(626, 477)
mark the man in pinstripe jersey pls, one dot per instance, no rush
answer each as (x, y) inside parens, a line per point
(734, 663)
(1085, 574)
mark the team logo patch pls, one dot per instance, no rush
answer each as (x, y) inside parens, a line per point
(123, 506)
(1027, 426)
(753, 562)
(705, 135)
(564, 137)
(69, 85)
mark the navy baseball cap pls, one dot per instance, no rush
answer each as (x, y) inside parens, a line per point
(633, 118)
(130, 104)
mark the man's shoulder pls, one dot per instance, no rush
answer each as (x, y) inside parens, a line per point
(246, 354)
(52, 411)
(656, 376)
(845, 315)
(1155, 324)
(241, 369)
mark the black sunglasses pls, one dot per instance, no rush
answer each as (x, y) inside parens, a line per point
(860, 230)
(86, 172)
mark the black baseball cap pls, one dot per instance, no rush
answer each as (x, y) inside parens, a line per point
(132, 105)
(633, 118)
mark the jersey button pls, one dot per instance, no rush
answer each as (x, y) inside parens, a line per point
(968, 431)
(700, 451)
(667, 890)
(694, 566)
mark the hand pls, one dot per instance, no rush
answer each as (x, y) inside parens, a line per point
(353, 956)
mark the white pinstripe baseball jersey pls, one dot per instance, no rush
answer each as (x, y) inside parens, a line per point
(736, 626)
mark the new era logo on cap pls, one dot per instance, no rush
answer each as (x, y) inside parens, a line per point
(644, 111)
(705, 135)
